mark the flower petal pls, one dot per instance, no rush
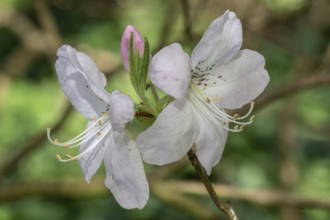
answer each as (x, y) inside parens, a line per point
(81, 81)
(82, 97)
(125, 173)
(171, 136)
(241, 81)
(122, 110)
(170, 71)
(220, 42)
(83, 63)
(210, 142)
(138, 44)
(92, 160)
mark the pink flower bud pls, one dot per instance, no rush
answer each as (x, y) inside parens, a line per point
(138, 44)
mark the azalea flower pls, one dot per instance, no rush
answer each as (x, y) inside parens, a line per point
(105, 138)
(218, 76)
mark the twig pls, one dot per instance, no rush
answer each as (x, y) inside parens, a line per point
(264, 197)
(170, 17)
(225, 207)
(192, 207)
(187, 18)
(293, 87)
(79, 189)
(30, 146)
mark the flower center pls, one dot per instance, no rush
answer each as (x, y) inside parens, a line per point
(208, 109)
(96, 133)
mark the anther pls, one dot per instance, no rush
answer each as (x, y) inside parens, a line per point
(252, 118)
(236, 116)
(208, 100)
(241, 127)
(69, 156)
(236, 127)
(58, 157)
(98, 133)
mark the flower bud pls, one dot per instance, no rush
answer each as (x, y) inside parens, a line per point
(138, 44)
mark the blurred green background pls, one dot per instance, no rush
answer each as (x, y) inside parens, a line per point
(278, 168)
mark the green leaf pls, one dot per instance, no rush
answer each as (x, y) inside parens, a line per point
(163, 102)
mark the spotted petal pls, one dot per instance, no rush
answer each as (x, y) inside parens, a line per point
(125, 173)
(81, 81)
(220, 42)
(170, 137)
(241, 81)
(170, 71)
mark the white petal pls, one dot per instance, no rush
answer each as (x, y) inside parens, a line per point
(83, 89)
(242, 80)
(220, 42)
(92, 160)
(84, 63)
(122, 110)
(170, 71)
(210, 142)
(125, 173)
(82, 97)
(171, 136)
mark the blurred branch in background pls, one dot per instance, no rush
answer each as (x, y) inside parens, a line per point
(78, 189)
(31, 145)
(42, 26)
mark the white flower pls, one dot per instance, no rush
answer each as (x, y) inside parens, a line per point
(105, 138)
(218, 76)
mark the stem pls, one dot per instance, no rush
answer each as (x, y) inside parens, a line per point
(154, 92)
(225, 207)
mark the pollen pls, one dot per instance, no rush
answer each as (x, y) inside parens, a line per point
(69, 156)
(208, 100)
(98, 133)
(252, 118)
(58, 157)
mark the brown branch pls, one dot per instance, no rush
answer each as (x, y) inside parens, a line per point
(79, 189)
(171, 15)
(265, 197)
(192, 207)
(225, 207)
(186, 19)
(293, 88)
(30, 146)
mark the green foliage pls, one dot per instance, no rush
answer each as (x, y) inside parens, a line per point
(251, 159)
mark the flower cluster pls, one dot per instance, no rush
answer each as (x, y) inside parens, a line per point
(218, 76)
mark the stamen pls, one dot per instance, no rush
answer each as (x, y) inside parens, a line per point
(79, 139)
(58, 157)
(93, 145)
(212, 111)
